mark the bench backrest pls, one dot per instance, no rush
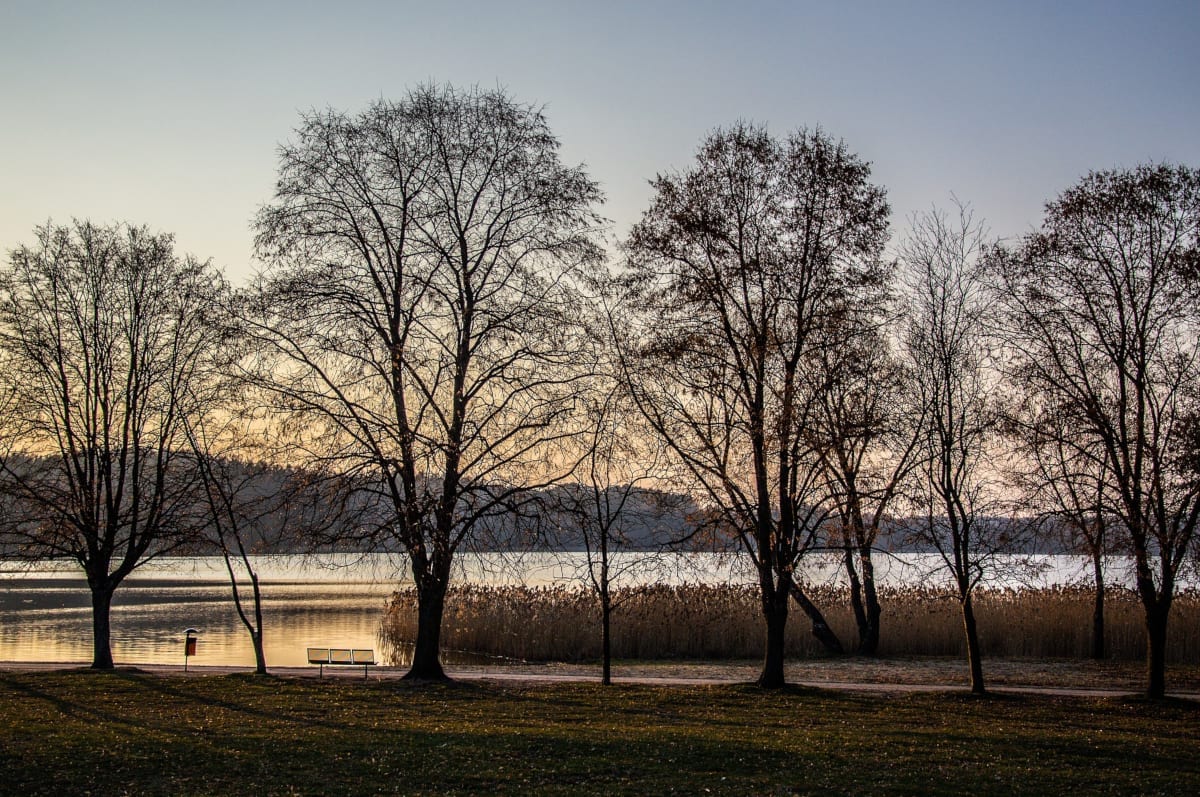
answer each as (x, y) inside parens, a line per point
(340, 656)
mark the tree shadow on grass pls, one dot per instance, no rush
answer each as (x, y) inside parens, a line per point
(170, 688)
(69, 708)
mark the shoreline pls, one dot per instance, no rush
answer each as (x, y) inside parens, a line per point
(1064, 678)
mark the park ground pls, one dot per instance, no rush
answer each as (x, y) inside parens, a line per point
(680, 730)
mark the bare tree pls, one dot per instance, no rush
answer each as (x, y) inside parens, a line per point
(612, 508)
(1102, 324)
(108, 335)
(736, 268)
(947, 349)
(865, 436)
(252, 507)
(1067, 487)
(419, 317)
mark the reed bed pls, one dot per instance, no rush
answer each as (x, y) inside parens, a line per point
(690, 621)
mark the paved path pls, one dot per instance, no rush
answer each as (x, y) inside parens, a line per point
(389, 673)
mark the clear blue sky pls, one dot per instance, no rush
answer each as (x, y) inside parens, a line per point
(168, 113)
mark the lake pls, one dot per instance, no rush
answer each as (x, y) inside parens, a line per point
(337, 601)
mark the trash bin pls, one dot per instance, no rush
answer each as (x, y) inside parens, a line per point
(189, 646)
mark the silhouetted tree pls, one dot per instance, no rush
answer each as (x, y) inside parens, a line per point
(109, 337)
(865, 434)
(947, 350)
(1067, 488)
(610, 508)
(418, 318)
(736, 268)
(1102, 320)
(251, 506)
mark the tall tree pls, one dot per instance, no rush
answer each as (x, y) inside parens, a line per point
(1103, 324)
(109, 336)
(419, 313)
(736, 268)
(947, 349)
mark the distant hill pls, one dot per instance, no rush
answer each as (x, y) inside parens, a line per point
(552, 519)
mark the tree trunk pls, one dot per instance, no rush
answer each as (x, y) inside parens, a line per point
(426, 663)
(1156, 602)
(1156, 650)
(868, 641)
(820, 628)
(974, 654)
(606, 639)
(260, 658)
(1098, 608)
(102, 658)
(856, 592)
(253, 628)
(775, 612)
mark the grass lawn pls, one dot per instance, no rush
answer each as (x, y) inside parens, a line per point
(124, 732)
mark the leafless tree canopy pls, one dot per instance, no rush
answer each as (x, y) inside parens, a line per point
(1103, 323)
(865, 435)
(946, 342)
(420, 316)
(738, 266)
(1067, 491)
(110, 339)
(612, 508)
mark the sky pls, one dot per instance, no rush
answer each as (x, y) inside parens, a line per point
(170, 114)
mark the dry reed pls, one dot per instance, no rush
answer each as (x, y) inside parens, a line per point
(562, 623)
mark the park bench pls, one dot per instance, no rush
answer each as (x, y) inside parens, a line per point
(341, 657)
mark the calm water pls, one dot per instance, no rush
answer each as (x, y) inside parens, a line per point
(45, 614)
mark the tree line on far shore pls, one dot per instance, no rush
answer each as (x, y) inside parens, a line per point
(439, 341)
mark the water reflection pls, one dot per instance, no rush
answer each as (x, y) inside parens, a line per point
(50, 620)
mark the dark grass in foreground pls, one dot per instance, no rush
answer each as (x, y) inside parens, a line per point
(124, 732)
